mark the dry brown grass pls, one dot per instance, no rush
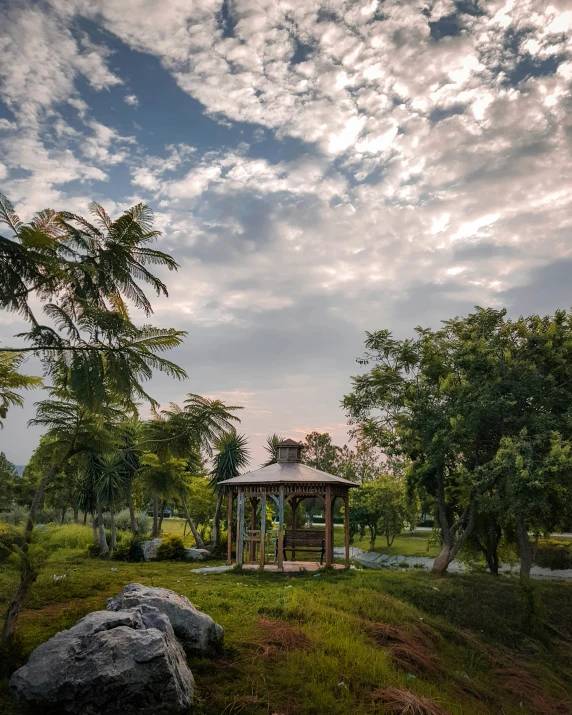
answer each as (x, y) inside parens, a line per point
(525, 688)
(279, 636)
(404, 702)
(409, 648)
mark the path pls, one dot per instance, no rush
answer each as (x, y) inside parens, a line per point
(372, 560)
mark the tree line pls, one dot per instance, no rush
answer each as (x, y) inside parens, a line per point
(479, 413)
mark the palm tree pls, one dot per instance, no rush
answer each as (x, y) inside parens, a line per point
(110, 487)
(232, 455)
(271, 448)
(184, 433)
(84, 274)
(11, 380)
(130, 436)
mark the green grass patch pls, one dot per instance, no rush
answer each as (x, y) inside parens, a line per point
(309, 644)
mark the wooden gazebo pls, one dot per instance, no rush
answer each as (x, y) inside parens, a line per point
(286, 481)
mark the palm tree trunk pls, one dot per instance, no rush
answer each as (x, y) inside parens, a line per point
(163, 504)
(103, 547)
(27, 573)
(155, 532)
(93, 525)
(134, 526)
(113, 529)
(216, 521)
(197, 537)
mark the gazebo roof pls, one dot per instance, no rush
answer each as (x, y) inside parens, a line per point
(287, 473)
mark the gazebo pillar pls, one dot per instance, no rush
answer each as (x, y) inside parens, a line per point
(328, 518)
(347, 528)
(252, 548)
(294, 506)
(281, 530)
(240, 527)
(262, 528)
(229, 529)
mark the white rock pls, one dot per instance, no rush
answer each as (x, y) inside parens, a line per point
(149, 549)
(197, 554)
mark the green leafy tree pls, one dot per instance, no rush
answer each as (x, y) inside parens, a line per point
(9, 480)
(320, 452)
(404, 405)
(231, 456)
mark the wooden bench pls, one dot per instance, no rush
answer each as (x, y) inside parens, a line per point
(307, 540)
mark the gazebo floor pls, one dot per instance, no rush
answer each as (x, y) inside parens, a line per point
(292, 566)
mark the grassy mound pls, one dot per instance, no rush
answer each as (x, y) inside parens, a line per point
(346, 642)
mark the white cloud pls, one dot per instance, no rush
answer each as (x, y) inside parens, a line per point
(131, 99)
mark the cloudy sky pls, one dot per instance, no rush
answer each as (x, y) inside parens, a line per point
(318, 169)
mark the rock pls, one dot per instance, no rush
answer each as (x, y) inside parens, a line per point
(197, 554)
(149, 549)
(196, 630)
(118, 663)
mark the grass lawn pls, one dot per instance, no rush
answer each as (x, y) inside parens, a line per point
(307, 644)
(405, 544)
(174, 525)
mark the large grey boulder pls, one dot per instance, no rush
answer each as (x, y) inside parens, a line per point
(193, 554)
(118, 663)
(196, 630)
(149, 549)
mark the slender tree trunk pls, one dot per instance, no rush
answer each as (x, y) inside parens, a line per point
(94, 526)
(451, 547)
(134, 526)
(489, 548)
(85, 517)
(163, 505)
(63, 517)
(216, 521)
(525, 547)
(113, 529)
(27, 573)
(155, 532)
(103, 547)
(371, 538)
(197, 537)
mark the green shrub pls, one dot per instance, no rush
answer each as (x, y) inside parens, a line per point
(171, 548)
(69, 536)
(16, 516)
(554, 555)
(9, 537)
(123, 521)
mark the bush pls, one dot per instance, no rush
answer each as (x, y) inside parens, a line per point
(554, 555)
(9, 538)
(129, 549)
(123, 521)
(69, 536)
(171, 548)
(16, 516)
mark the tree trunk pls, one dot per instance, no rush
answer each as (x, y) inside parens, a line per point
(163, 505)
(134, 526)
(197, 537)
(216, 521)
(103, 547)
(524, 546)
(155, 532)
(489, 548)
(85, 518)
(113, 529)
(27, 573)
(75, 514)
(27, 577)
(451, 547)
(371, 538)
(94, 526)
